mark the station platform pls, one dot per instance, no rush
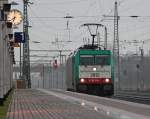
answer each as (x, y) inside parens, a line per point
(57, 104)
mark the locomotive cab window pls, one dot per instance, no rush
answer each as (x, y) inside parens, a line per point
(102, 60)
(94, 60)
(86, 60)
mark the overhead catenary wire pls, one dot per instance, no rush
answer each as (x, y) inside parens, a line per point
(91, 17)
(42, 22)
(132, 6)
(132, 16)
(63, 2)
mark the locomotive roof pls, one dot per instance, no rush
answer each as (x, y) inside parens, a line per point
(86, 49)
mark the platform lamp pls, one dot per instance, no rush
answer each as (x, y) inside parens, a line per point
(7, 8)
(14, 3)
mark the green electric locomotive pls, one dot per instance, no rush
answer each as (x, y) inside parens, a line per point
(90, 71)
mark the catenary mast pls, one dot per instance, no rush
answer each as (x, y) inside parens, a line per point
(116, 44)
(26, 52)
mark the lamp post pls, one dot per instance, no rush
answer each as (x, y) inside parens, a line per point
(105, 43)
(68, 17)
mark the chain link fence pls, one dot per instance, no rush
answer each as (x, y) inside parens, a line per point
(48, 76)
(135, 73)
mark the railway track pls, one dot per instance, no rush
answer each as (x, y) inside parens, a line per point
(138, 97)
(103, 104)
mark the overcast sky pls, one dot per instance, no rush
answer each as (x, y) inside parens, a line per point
(48, 23)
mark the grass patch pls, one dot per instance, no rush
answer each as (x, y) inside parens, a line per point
(4, 108)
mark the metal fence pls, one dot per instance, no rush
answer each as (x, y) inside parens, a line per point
(46, 76)
(135, 73)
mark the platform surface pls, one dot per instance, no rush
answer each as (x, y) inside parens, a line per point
(34, 104)
(137, 108)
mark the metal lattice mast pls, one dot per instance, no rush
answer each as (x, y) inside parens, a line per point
(116, 44)
(26, 58)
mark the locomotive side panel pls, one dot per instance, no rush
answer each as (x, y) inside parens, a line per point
(69, 75)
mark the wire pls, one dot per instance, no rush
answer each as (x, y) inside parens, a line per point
(112, 9)
(53, 17)
(65, 2)
(41, 22)
(100, 5)
(87, 16)
(132, 7)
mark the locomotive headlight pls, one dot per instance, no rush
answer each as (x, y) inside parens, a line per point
(94, 69)
(82, 80)
(107, 80)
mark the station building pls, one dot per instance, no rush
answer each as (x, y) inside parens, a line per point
(6, 51)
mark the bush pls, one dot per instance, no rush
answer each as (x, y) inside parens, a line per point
(4, 108)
